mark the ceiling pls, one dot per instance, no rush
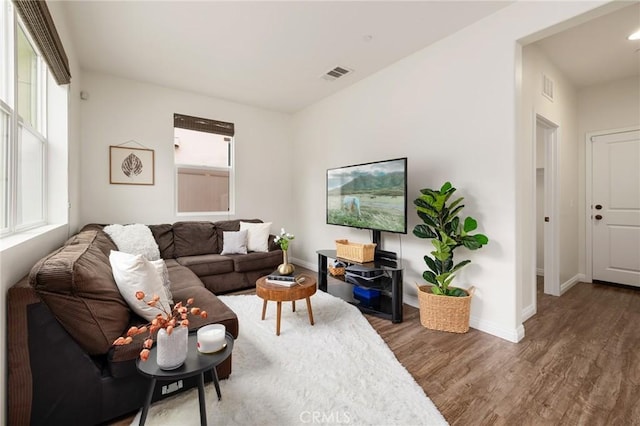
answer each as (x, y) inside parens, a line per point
(273, 54)
(597, 51)
(266, 54)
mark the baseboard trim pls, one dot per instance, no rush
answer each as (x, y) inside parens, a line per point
(565, 286)
(511, 335)
(489, 327)
(304, 263)
(528, 312)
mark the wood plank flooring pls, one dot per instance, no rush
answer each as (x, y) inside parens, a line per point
(579, 363)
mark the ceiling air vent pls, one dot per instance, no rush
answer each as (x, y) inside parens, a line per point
(336, 73)
(547, 87)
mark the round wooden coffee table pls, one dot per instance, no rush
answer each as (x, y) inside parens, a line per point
(279, 293)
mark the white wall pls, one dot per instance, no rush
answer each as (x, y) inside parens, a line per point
(612, 105)
(451, 109)
(120, 110)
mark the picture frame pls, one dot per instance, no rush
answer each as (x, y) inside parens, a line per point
(131, 166)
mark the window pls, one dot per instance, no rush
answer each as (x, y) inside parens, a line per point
(203, 155)
(25, 27)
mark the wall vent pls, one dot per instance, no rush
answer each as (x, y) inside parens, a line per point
(336, 73)
(547, 87)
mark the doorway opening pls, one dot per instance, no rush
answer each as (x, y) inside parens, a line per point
(547, 214)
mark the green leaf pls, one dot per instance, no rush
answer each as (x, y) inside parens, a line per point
(447, 264)
(460, 265)
(436, 290)
(423, 231)
(470, 242)
(470, 224)
(446, 187)
(427, 219)
(453, 204)
(454, 213)
(433, 265)
(481, 238)
(430, 277)
(422, 203)
(452, 227)
(442, 251)
(457, 292)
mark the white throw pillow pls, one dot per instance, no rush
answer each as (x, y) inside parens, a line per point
(257, 235)
(133, 273)
(161, 268)
(234, 242)
(134, 239)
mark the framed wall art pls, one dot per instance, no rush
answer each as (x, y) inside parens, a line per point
(131, 166)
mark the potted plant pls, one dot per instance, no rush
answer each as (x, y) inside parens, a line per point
(443, 307)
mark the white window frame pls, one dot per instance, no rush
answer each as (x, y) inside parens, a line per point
(230, 169)
(11, 24)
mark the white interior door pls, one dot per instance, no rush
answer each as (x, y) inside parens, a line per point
(615, 208)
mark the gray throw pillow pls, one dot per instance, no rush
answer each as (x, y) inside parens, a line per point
(234, 242)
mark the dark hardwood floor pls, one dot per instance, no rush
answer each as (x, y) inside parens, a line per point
(579, 363)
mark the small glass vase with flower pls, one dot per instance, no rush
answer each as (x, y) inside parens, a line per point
(283, 241)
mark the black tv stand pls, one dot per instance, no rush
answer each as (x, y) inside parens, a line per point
(388, 305)
(389, 257)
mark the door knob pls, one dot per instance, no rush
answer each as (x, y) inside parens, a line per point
(598, 216)
(598, 207)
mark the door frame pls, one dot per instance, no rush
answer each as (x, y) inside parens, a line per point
(588, 140)
(551, 206)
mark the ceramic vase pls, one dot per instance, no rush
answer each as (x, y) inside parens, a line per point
(285, 268)
(172, 349)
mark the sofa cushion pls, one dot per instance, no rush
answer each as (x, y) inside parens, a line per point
(256, 261)
(257, 235)
(235, 242)
(208, 264)
(164, 237)
(181, 276)
(195, 238)
(230, 226)
(76, 283)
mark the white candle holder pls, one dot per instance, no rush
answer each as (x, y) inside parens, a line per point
(211, 338)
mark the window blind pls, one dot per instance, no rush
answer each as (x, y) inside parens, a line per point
(36, 17)
(203, 125)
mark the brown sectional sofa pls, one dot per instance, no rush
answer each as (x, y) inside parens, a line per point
(63, 318)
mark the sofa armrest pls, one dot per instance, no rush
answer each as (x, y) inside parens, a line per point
(19, 369)
(272, 244)
(41, 351)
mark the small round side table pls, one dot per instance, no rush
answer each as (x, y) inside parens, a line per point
(195, 364)
(280, 293)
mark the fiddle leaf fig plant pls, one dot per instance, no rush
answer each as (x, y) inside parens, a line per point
(442, 224)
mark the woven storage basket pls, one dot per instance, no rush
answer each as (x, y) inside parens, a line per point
(336, 271)
(361, 253)
(444, 313)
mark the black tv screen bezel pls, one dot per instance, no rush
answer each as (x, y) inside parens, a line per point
(406, 195)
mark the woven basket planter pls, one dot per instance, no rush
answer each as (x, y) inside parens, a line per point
(444, 313)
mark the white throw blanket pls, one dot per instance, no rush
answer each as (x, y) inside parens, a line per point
(134, 239)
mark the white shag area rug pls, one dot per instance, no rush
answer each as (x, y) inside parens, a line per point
(338, 371)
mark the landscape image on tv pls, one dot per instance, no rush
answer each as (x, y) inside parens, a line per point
(370, 196)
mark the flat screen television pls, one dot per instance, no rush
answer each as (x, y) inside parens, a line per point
(369, 196)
